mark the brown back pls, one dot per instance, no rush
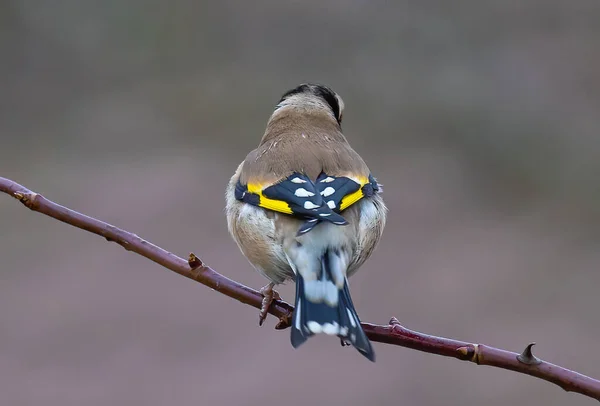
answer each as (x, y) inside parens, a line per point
(309, 142)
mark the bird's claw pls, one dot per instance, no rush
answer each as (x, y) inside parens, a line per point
(269, 295)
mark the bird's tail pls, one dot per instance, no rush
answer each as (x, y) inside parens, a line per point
(323, 307)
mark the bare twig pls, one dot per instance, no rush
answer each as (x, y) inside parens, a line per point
(393, 333)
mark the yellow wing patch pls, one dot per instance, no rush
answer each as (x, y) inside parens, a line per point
(354, 197)
(271, 204)
(320, 200)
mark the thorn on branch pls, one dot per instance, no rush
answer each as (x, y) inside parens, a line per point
(527, 357)
(194, 262)
(394, 322)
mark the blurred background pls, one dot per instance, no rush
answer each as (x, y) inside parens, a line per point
(481, 119)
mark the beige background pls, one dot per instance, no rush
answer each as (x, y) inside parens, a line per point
(481, 119)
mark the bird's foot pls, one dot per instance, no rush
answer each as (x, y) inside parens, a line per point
(269, 294)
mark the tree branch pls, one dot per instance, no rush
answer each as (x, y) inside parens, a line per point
(394, 333)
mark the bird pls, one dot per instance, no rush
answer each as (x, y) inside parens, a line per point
(303, 206)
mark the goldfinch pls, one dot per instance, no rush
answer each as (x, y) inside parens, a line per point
(304, 206)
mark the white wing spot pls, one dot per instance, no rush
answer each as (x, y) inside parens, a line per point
(298, 180)
(324, 214)
(328, 191)
(314, 327)
(331, 328)
(351, 317)
(301, 192)
(327, 179)
(310, 205)
(331, 293)
(297, 311)
(331, 204)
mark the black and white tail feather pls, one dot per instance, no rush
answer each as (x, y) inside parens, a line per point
(322, 306)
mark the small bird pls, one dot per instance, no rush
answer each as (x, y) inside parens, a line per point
(304, 206)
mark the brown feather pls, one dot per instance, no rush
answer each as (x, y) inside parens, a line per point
(306, 141)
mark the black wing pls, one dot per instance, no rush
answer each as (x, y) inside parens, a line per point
(296, 195)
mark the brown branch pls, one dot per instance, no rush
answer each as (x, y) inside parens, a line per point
(394, 333)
